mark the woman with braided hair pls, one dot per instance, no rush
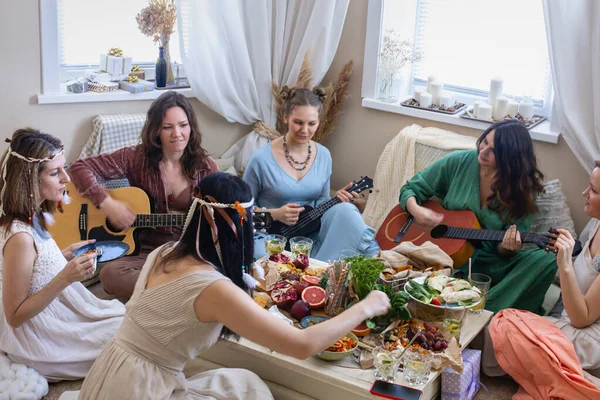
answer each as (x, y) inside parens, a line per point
(48, 320)
(194, 291)
(293, 171)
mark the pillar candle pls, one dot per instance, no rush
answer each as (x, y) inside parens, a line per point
(436, 89)
(484, 112)
(500, 108)
(446, 99)
(418, 91)
(425, 100)
(476, 107)
(513, 108)
(526, 108)
(430, 79)
(496, 88)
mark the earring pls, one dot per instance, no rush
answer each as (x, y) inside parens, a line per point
(40, 181)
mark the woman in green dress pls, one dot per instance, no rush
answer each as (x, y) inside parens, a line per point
(498, 182)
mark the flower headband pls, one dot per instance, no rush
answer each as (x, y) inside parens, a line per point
(29, 160)
(208, 205)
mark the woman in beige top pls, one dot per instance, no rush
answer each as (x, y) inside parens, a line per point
(194, 292)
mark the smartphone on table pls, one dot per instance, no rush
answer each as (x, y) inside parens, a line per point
(394, 391)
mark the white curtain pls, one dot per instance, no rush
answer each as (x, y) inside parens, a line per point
(573, 31)
(233, 49)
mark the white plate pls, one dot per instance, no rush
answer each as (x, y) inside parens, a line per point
(421, 280)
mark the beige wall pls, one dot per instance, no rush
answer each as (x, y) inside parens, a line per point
(20, 81)
(359, 139)
(362, 133)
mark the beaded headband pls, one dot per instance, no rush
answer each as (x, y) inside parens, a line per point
(29, 160)
(208, 210)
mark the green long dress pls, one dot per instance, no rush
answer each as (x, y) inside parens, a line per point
(518, 281)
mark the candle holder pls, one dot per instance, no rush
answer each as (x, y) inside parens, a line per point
(413, 103)
(528, 122)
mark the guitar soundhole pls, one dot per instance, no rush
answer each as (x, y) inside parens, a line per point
(439, 231)
(111, 227)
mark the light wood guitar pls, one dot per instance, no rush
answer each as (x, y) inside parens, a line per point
(455, 237)
(81, 220)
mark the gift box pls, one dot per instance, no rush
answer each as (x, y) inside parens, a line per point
(78, 85)
(463, 386)
(140, 74)
(137, 87)
(101, 76)
(102, 87)
(120, 66)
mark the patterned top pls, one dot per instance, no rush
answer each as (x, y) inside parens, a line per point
(49, 262)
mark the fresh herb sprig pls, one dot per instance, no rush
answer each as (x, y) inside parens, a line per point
(365, 272)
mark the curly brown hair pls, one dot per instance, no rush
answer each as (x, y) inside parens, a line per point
(297, 97)
(194, 156)
(518, 180)
(23, 194)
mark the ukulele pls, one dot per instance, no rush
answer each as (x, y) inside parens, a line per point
(81, 220)
(309, 220)
(455, 238)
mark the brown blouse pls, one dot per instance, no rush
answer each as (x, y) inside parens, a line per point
(130, 163)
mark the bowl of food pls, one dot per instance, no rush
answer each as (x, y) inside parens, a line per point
(433, 298)
(312, 320)
(341, 349)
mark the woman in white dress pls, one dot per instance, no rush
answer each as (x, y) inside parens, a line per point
(49, 321)
(191, 293)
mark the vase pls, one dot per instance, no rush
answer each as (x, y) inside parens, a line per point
(161, 68)
(388, 89)
(164, 40)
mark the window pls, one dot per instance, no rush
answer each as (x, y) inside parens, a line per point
(465, 43)
(87, 29)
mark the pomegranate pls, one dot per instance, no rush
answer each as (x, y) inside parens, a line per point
(284, 295)
(314, 296)
(300, 286)
(279, 258)
(300, 309)
(311, 280)
(301, 261)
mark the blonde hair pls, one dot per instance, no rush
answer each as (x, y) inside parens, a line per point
(25, 159)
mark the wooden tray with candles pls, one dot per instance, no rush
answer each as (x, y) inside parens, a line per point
(528, 122)
(458, 107)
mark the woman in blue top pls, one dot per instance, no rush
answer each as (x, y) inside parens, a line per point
(293, 171)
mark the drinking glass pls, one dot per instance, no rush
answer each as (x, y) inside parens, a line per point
(300, 244)
(275, 244)
(347, 254)
(483, 283)
(453, 320)
(386, 363)
(417, 365)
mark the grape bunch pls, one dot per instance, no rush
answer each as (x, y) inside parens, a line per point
(428, 338)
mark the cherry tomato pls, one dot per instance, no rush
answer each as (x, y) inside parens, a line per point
(436, 302)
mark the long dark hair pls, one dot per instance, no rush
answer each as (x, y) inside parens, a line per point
(518, 180)
(235, 252)
(194, 156)
(22, 189)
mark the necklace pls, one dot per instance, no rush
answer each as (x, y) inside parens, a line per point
(291, 159)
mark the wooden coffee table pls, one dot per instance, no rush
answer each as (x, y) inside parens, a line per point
(313, 377)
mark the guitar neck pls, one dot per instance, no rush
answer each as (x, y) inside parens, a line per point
(156, 220)
(322, 208)
(486, 235)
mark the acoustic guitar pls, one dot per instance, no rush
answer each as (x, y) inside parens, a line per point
(81, 220)
(455, 237)
(309, 220)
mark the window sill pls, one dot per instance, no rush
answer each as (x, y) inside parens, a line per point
(541, 132)
(92, 97)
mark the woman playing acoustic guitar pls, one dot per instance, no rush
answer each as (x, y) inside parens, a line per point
(293, 171)
(167, 165)
(499, 183)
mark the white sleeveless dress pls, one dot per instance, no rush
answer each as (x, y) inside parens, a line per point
(587, 340)
(63, 340)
